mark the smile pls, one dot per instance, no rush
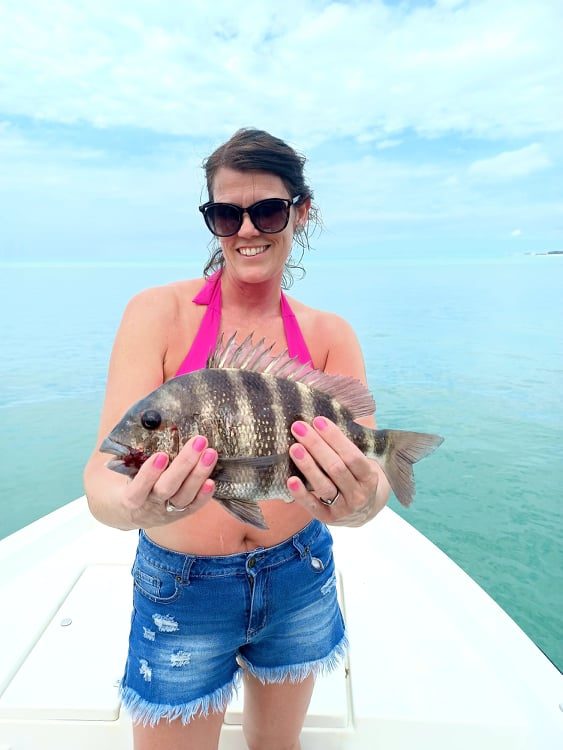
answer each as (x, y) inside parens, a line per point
(249, 251)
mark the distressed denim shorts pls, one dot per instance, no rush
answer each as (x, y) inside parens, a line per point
(197, 620)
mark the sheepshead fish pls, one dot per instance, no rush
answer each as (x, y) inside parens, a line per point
(244, 403)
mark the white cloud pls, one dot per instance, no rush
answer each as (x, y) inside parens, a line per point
(509, 165)
(310, 70)
(516, 233)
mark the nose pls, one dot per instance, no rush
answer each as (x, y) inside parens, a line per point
(247, 228)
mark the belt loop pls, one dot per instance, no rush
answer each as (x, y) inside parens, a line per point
(186, 570)
(299, 547)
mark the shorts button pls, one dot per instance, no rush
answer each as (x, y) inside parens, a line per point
(316, 563)
(251, 563)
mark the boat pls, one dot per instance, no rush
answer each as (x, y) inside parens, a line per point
(434, 662)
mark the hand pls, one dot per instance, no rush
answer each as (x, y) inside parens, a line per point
(184, 483)
(332, 464)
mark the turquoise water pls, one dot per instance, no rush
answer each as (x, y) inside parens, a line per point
(473, 351)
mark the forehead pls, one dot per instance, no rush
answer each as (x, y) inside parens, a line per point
(244, 188)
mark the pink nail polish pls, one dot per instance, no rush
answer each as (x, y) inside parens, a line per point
(299, 428)
(320, 423)
(298, 452)
(199, 444)
(160, 461)
(208, 458)
(293, 484)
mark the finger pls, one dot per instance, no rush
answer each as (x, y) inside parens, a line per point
(172, 479)
(329, 461)
(320, 484)
(204, 495)
(194, 483)
(329, 435)
(143, 482)
(300, 494)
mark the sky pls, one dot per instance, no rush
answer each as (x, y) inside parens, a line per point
(431, 128)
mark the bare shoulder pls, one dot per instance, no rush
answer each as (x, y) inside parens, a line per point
(167, 298)
(333, 345)
(330, 337)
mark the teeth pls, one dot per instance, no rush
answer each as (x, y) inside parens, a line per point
(251, 250)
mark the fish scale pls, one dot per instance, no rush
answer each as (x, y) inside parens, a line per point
(244, 403)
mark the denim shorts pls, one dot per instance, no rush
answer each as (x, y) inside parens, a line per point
(197, 620)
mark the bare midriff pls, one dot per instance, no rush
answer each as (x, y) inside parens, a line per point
(213, 531)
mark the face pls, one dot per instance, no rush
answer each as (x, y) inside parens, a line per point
(253, 256)
(149, 426)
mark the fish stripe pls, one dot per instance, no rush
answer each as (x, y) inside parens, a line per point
(259, 402)
(325, 406)
(204, 395)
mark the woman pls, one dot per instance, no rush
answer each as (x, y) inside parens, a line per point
(214, 596)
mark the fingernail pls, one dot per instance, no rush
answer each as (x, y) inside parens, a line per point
(208, 486)
(199, 444)
(300, 428)
(160, 461)
(208, 458)
(320, 423)
(293, 484)
(298, 452)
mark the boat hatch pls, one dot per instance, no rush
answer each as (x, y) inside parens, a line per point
(72, 671)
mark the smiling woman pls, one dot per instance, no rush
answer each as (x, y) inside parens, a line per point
(259, 205)
(273, 168)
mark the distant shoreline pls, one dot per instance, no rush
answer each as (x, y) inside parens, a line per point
(547, 252)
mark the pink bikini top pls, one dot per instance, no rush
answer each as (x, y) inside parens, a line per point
(208, 333)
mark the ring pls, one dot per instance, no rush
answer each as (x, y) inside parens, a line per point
(330, 502)
(171, 508)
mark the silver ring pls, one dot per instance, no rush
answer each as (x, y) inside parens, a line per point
(330, 502)
(171, 508)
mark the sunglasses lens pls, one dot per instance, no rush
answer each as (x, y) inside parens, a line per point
(223, 219)
(270, 215)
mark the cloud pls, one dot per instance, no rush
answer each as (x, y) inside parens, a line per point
(510, 165)
(310, 70)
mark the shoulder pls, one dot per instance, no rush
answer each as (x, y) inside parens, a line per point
(326, 333)
(162, 304)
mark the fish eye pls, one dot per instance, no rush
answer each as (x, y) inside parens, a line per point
(151, 419)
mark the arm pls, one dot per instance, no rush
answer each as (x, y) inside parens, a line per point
(330, 462)
(136, 368)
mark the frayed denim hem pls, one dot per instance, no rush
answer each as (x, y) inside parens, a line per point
(299, 672)
(143, 712)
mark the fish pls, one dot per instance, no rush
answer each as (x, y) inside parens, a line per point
(244, 402)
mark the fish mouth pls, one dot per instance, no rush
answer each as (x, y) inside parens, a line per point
(128, 460)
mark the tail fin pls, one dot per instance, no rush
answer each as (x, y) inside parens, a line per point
(405, 449)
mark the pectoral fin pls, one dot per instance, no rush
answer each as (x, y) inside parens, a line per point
(231, 469)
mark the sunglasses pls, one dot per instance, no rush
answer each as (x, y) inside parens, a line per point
(268, 216)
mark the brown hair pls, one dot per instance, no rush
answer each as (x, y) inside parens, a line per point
(251, 149)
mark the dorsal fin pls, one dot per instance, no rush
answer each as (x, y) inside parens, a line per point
(349, 392)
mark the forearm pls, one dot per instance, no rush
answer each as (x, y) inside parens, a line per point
(103, 491)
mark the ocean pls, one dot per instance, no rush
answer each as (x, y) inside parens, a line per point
(472, 350)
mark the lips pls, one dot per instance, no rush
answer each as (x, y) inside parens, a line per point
(249, 252)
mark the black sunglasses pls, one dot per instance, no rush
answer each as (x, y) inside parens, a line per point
(269, 216)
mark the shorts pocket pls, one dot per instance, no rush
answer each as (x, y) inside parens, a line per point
(154, 583)
(319, 552)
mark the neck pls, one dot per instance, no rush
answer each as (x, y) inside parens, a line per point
(262, 298)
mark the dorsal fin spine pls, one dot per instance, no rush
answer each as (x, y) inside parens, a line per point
(352, 394)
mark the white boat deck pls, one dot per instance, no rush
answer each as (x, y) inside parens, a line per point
(434, 662)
